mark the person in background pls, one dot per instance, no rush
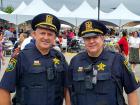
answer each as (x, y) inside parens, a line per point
(98, 76)
(22, 37)
(7, 33)
(134, 44)
(38, 74)
(123, 45)
(1, 50)
(17, 45)
(27, 40)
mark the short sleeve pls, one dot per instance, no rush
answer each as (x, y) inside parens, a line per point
(120, 41)
(65, 65)
(8, 80)
(70, 70)
(130, 80)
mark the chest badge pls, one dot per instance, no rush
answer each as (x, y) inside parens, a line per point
(56, 61)
(101, 67)
(80, 69)
(36, 63)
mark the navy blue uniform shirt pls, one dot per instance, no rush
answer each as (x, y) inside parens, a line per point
(45, 75)
(103, 92)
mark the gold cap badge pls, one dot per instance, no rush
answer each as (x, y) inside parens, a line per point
(88, 26)
(49, 19)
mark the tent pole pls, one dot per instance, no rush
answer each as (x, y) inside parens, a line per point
(98, 10)
(16, 27)
(119, 26)
(76, 22)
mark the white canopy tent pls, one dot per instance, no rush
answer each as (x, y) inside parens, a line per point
(121, 15)
(137, 26)
(3, 15)
(1, 12)
(76, 17)
(21, 7)
(82, 13)
(64, 12)
(85, 11)
(36, 7)
(14, 17)
(65, 26)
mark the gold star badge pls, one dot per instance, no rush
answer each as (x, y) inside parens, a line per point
(101, 67)
(56, 61)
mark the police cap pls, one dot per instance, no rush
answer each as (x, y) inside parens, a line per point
(46, 20)
(92, 28)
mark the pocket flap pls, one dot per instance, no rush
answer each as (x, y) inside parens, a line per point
(59, 68)
(103, 76)
(79, 76)
(37, 69)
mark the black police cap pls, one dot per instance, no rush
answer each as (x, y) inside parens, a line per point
(92, 28)
(46, 20)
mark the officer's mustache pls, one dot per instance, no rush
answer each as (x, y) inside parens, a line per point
(47, 41)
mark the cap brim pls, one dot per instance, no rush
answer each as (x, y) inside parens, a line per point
(90, 35)
(44, 26)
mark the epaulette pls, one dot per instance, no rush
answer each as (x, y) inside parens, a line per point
(80, 55)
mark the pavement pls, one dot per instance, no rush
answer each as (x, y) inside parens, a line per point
(68, 58)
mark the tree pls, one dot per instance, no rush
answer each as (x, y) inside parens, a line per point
(8, 9)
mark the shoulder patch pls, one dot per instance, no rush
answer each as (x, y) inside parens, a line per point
(11, 65)
(127, 65)
(137, 79)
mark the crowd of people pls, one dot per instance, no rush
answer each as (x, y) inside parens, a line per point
(128, 44)
(40, 74)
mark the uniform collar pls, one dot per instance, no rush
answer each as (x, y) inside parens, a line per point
(37, 53)
(102, 56)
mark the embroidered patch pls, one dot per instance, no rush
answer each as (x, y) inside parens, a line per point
(11, 65)
(101, 67)
(56, 61)
(137, 79)
(36, 63)
(128, 65)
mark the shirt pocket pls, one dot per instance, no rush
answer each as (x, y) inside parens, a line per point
(59, 68)
(103, 85)
(79, 82)
(35, 81)
(36, 75)
(60, 74)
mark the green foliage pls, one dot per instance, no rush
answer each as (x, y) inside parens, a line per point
(8, 9)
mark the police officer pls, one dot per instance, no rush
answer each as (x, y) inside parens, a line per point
(98, 76)
(38, 72)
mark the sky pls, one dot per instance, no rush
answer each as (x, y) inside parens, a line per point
(106, 5)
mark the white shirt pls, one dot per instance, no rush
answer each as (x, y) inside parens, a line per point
(134, 42)
(64, 43)
(25, 42)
